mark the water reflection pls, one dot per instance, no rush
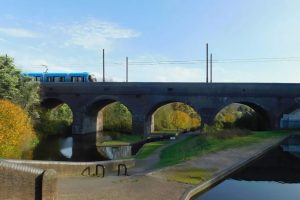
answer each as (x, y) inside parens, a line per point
(77, 148)
(274, 176)
(66, 147)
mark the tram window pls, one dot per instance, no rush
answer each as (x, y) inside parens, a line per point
(59, 79)
(49, 79)
(73, 79)
(56, 79)
(77, 79)
(80, 79)
(37, 78)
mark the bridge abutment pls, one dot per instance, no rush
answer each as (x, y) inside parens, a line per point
(140, 125)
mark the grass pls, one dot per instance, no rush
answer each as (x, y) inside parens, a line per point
(197, 145)
(166, 131)
(149, 148)
(130, 138)
(190, 176)
(113, 142)
(122, 139)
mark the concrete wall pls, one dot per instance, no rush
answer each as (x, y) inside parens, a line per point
(76, 168)
(24, 182)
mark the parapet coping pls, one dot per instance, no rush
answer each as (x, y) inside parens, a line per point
(20, 167)
(65, 162)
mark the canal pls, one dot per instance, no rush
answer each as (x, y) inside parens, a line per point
(275, 176)
(77, 148)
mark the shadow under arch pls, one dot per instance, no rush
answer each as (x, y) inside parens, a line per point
(151, 112)
(51, 103)
(260, 111)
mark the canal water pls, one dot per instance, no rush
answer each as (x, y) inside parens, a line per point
(77, 148)
(275, 176)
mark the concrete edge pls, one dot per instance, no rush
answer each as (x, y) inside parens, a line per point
(20, 167)
(65, 162)
(69, 169)
(226, 172)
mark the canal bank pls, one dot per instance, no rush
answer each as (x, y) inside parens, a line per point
(156, 184)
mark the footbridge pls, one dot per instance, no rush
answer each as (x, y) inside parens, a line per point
(86, 100)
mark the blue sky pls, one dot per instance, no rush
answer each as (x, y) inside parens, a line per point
(251, 40)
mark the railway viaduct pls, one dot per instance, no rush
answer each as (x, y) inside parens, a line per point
(270, 100)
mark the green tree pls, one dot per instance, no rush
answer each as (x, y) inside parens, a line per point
(9, 79)
(117, 118)
(55, 121)
(20, 90)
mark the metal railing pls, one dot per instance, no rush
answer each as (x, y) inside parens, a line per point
(124, 167)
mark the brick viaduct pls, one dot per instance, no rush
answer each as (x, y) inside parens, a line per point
(270, 100)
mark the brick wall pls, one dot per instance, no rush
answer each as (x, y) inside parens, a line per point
(19, 181)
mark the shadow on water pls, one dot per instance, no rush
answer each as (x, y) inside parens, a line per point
(86, 148)
(274, 176)
(68, 148)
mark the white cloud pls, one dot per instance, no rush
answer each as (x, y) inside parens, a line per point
(18, 32)
(95, 34)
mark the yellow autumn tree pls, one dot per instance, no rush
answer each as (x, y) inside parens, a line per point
(180, 120)
(195, 122)
(16, 131)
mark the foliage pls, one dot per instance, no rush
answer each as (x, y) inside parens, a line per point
(117, 118)
(18, 89)
(238, 116)
(9, 78)
(55, 121)
(180, 120)
(16, 131)
(199, 145)
(176, 116)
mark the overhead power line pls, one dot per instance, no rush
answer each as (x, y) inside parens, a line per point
(176, 62)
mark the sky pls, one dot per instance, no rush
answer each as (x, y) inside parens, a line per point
(164, 40)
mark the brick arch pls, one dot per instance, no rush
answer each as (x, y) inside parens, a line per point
(259, 109)
(93, 115)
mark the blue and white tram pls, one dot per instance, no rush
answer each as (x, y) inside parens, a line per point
(62, 77)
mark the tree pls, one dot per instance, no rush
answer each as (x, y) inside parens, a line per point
(180, 120)
(55, 121)
(117, 118)
(9, 78)
(16, 131)
(18, 89)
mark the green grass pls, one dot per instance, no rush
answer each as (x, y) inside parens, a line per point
(166, 131)
(113, 142)
(197, 145)
(149, 148)
(122, 139)
(130, 138)
(190, 176)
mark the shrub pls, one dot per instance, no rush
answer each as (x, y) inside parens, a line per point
(16, 131)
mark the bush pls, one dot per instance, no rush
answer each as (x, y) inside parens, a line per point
(16, 131)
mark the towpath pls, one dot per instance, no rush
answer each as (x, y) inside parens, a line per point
(154, 185)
